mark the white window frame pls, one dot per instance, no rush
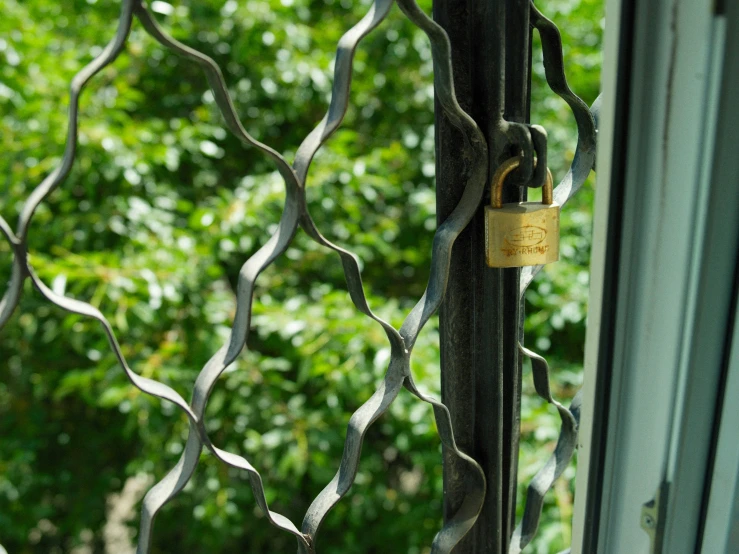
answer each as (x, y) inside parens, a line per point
(666, 238)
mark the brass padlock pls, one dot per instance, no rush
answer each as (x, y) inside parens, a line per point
(522, 233)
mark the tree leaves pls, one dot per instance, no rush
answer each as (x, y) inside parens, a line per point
(161, 209)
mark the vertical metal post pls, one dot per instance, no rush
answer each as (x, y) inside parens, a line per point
(481, 317)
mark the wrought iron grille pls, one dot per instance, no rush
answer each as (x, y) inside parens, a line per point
(297, 215)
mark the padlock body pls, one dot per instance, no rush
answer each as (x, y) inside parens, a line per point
(517, 235)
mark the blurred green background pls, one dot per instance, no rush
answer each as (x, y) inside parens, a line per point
(161, 209)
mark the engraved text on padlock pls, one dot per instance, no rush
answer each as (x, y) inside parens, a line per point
(521, 233)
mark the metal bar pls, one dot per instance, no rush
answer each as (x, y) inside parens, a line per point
(517, 109)
(481, 317)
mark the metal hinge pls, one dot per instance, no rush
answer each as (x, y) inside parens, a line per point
(653, 518)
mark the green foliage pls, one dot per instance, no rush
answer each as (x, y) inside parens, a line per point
(161, 209)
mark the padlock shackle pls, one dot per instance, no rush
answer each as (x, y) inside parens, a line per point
(496, 193)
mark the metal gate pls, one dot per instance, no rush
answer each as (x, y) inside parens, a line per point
(528, 140)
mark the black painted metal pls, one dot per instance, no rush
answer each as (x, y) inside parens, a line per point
(480, 318)
(295, 214)
(482, 314)
(481, 324)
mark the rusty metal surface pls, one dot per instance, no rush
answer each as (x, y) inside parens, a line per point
(296, 214)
